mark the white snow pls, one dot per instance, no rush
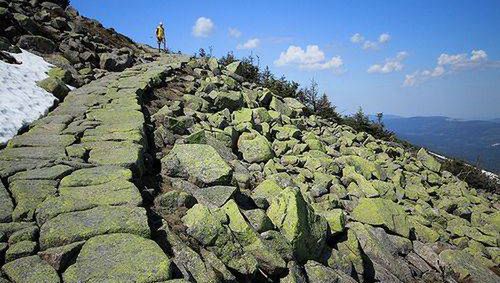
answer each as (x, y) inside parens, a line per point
(489, 174)
(21, 100)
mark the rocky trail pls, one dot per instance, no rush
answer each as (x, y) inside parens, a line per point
(178, 169)
(169, 168)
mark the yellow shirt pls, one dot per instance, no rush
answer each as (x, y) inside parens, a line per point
(160, 32)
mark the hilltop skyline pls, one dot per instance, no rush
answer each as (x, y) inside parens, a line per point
(409, 59)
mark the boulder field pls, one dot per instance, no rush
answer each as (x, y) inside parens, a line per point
(180, 171)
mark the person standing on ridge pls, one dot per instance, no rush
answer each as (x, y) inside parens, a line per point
(160, 36)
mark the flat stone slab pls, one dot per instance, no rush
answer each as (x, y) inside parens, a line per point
(116, 192)
(30, 269)
(82, 225)
(42, 140)
(47, 173)
(45, 153)
(95, 176)
(199, 163)
(119, 258)
(28, 194)
(123, 154)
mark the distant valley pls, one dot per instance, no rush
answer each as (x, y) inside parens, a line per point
(470, 140)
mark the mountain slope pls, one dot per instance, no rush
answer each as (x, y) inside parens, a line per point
(179, 169)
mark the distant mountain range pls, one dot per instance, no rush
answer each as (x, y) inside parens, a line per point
(470, 140)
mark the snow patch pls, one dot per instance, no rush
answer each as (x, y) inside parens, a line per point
(21, 100)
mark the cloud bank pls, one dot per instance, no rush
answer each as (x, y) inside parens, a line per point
(312, 58)
(394, 64)
(447, 64)
(383, 38)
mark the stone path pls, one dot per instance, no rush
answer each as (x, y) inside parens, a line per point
(67, 186)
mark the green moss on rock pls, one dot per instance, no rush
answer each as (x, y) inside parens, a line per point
(119, 258)
(305, 230)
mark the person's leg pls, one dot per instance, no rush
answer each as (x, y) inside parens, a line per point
(165, 44)
(159, 46)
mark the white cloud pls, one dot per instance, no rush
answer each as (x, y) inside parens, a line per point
(203, 27)
(250, 44)
(313, 58)
(383, 38)
(370, 45)
(447, 64)
(366, 44)
(234, 32)
(478, 55)
(391, 64)
(357, 38)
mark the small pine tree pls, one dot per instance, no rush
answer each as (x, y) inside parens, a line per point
(326, 110)
(310, 96)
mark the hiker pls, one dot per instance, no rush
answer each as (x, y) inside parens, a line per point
(160, 36)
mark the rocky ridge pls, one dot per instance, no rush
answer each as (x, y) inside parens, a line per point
(179, 169)
(81, 48)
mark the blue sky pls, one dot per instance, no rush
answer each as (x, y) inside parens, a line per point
(406, 58)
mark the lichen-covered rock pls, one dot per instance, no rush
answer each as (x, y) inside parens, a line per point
(6, 206)
(466, 266)
(259, 220)
(265, 192)
(119, 258)
(116, 192)
(30, 269)
(428, 160)
(95, 176)
(61, 74)
(197, 162)
(60, 257)
(267, 258)
(215, 196)
(210, 228)
(20, 249)
(382, 212)
(29, 194)
(54, 86)
(169, 202)
(335, 219)
(305, 230)
(317, 272)
(76, 226)
(254, 147)
(382, 252)
(235, 68)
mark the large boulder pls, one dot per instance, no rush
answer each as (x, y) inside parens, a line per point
(428, 160)
(30, 269)
(235, 68)
(383, 252)
(304, 230)
(37, 43)
(114, 62)
(199, 163)
(119, 258)
(209, 227)
(255, 147)
(55, 86)
(466, 267)
(382, 212)
(76, 226)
